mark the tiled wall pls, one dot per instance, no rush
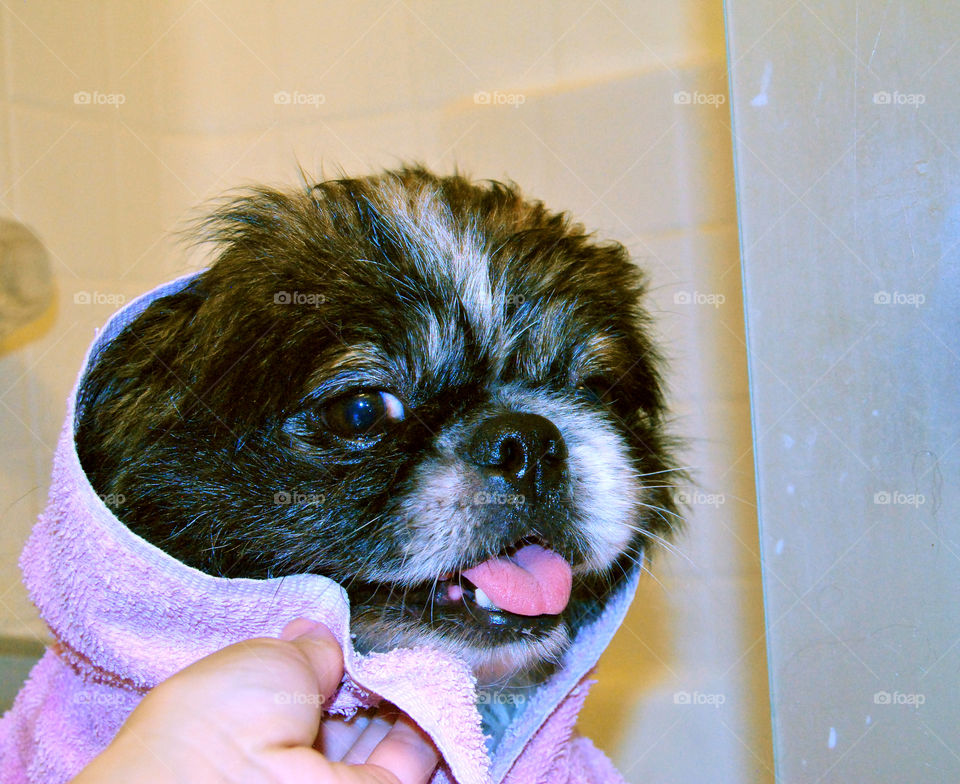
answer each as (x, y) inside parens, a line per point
(613, 110)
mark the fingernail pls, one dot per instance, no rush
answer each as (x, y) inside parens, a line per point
(305, 627)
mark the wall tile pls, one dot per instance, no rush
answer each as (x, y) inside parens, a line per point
(64, 185)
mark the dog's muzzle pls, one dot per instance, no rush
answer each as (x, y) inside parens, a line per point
(522, 457)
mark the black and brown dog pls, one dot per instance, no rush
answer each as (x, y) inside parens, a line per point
(436, 392)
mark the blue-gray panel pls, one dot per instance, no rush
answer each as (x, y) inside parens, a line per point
(847, 148)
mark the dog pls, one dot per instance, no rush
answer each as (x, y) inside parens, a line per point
(434, 391)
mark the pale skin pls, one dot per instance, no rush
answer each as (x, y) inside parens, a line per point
(252, 713)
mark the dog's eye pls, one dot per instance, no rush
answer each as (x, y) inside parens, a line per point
(362, 413)
(595, 390)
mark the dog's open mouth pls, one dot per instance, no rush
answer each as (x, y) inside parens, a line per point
(521, 591)
(528, 579)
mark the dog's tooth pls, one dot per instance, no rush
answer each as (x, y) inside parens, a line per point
(483, 600)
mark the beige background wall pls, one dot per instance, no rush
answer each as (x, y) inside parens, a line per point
(615, 111)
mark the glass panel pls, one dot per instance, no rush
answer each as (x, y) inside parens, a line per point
(847, 148)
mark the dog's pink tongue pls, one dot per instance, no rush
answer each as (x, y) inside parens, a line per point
(533, 581)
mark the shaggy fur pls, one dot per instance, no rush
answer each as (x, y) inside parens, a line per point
(210, 423)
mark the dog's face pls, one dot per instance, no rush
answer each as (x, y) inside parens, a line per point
(434, 392)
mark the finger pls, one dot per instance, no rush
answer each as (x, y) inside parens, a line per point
(375, 731)
(337, 735)
(299, 626)
(406, 752)
(263, 691)
(317, 643)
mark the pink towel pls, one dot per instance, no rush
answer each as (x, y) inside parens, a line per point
(126, 616)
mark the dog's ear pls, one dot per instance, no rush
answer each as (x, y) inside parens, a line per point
(133, 387)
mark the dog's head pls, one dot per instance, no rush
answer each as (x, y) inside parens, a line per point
(439, 394)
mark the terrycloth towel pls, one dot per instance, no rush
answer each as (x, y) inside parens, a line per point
(126, 616)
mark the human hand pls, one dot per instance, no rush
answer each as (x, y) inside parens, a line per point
(252, 712)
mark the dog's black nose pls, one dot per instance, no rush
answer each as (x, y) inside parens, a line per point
(525, 450)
